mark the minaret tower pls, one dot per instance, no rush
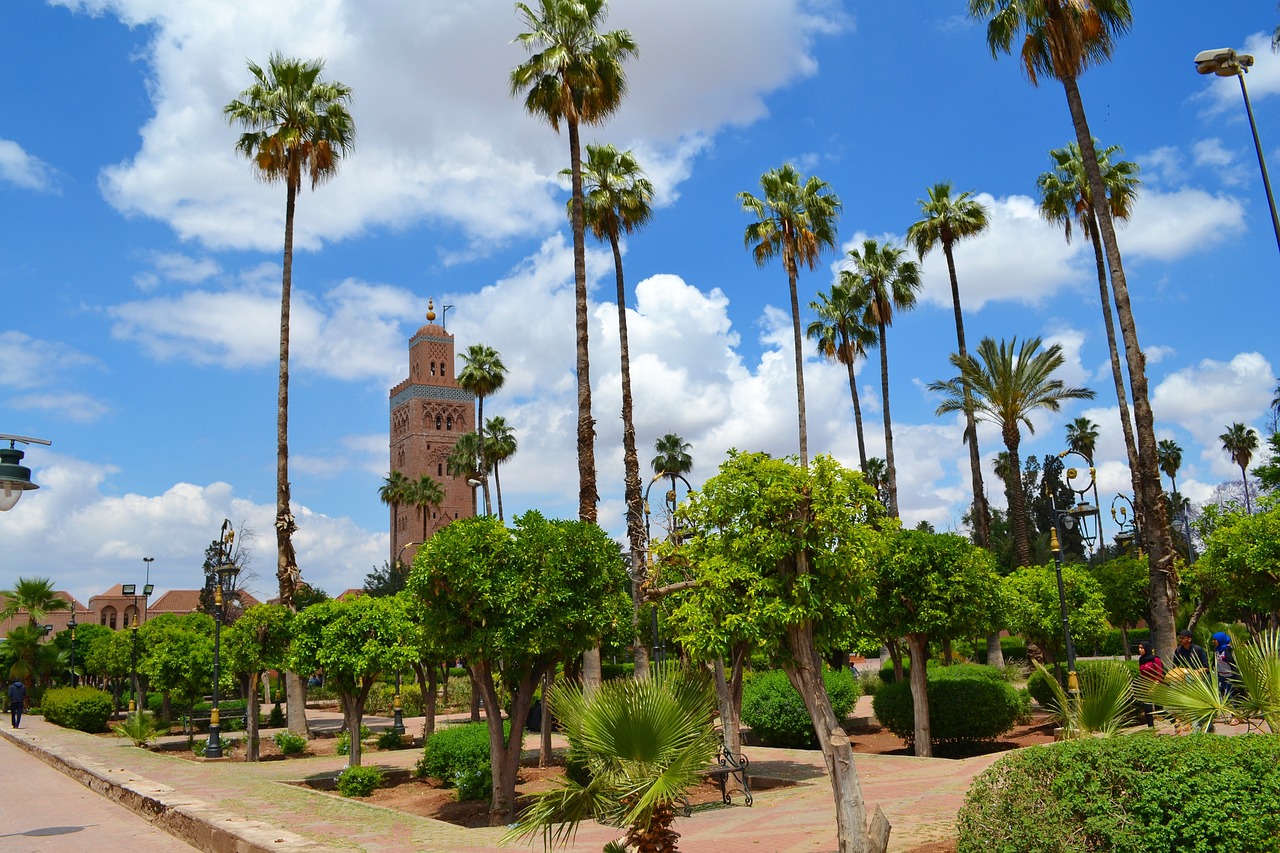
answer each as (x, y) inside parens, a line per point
(429, 412)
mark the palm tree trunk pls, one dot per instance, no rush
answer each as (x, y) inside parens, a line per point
(857, 407)
(1244, 481)
(891, 470)
(1163, 586)
(981, 514)
(587, 494)
(497, 483)
(1017, 498)
(1117, 375)
(795, 331)
(631, 471)
(480, 463)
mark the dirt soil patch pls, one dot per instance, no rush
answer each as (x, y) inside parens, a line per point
(878, 740)
(267, 749)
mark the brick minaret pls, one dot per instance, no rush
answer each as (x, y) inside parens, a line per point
(429, 411)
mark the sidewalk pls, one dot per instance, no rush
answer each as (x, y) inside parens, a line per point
(251, 808)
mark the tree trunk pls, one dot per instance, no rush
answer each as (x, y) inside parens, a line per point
(286, 560)
(295, 692)
(352, 718)
(1163, 589)
(427, 685)
(504, 752)
(481, 463)
(857, 406)
(789, 261)
(587, 494)
(544, 733)
(497, 485)
(895, 657)
(1244, 481)
(981, 513)
(1124, 640)
(251, 719)
(592, 675)
(891, 470)
(804, 671)
(995, 651)
(918, 644)
(729, 696)
(1017, 498)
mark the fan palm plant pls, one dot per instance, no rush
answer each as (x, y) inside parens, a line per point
(646, 743)
(1103, 704)
(1194, 697)
(34, 596)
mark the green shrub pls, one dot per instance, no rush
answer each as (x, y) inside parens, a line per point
(276, 720)
(1130, 794)
(966, 703)
(85, 709)
(612, 671)
(381, 699)
(1112, 643)
(343, 746)
(290, 744)
(459, 757)
(139, 727)
(868, 683)
(776, 713)
(390, 739)
(359, 781)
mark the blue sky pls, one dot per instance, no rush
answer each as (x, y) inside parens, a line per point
(140, 258)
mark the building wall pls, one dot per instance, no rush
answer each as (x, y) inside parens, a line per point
(429, 411)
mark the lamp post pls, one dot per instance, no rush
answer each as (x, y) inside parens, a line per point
(397, 710)
(223, 587)
(641, 571)
(147, 587)
(15, 478)
(1075, 517)
(71, 624)
(1225, 62)
(1126, 518)
(134, 702)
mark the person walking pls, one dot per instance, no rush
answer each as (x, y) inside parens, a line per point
(1151, 668)
(1228, 675)
(17, 701)
(1190, 657)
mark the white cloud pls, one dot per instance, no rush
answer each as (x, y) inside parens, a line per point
(1168, 226)
(1207, 398)
(434, 143)
(32, 363)
(73, 406)
(23, 170)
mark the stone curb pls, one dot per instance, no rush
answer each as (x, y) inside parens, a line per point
(198, 823)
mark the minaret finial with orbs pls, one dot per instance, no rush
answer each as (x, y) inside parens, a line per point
(431, 310)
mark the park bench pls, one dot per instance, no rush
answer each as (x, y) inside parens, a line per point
(727, 765)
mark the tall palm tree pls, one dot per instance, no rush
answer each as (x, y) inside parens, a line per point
(843, 334)
(945, 220)
(393, 493)
(482, 374)
(1239, 442)
(617, 199)
(425, 493)
(1082, 437)
(1008, 383)
(877, 476)
(295, 124)
(1170, 454)
(35, 596)
(887, 284)
(500, 444)
(574, 75)
(1061, 39)
(673, 455)
(466, 459)
(795, 220)
(1064, 195)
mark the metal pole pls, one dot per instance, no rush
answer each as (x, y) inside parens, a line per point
(133, 662)
(213, 749)
(1073, 684)
(1262, 163)
(72, 625)
(397, 725)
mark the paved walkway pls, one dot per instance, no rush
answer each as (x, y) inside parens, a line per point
(225, 806)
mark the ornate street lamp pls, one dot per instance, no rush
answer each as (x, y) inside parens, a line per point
(642, 571)
(1126, 517)
(1081, 517)
(223, 588)
(71, 624)
(15, 478)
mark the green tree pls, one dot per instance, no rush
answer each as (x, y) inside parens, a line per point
(796, 221)
(34, 596)
(27, 655)
(617, 199)
(466, 459)
(1006, 384)
(932, 586)
(1239, 442)
(783, 553)
(258, 641)
(886, 284)
(1239, 570)
(308, 595)
(500, 444)
(945, 220)
(513, 603)
(107, 658)
(1033, 609)
(843, 334)
(574, 75)
(294, 124)
(1061, 39)
(353, 641)
(1082, 437)
(1064, 195)
(1123, 581)
(425, 493)
(646, 744)
(1268, 474)
(673, 455)
(483, 373)
(176, 657)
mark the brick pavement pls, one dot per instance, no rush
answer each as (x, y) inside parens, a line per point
(234, 806)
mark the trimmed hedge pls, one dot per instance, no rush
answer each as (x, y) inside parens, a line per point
(459, 757)
(776, 713)
(359, 781)
(1132, 794)
(85, 709)
(969, 702)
